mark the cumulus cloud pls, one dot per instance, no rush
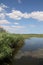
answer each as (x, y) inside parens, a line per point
(2, 15)
(2, 7)
(18, 15)
(2, 11)
(15, 14)
(37, 15)
(4, 22)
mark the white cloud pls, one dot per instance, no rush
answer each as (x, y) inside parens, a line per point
(15, 15)
(2, 7)
(13, 29)
(2, 11)
(18, 15)
(37, 15)
(2, 15)
(6, 27)
(4, 22)
(16, 23)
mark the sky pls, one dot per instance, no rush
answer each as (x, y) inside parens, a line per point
(22, 16)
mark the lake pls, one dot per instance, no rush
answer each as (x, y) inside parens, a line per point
(31, 53)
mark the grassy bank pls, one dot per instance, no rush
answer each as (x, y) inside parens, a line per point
(32, 35)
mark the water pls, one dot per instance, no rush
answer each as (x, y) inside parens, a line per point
(31, 52)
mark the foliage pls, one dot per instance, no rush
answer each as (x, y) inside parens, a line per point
(8, 43)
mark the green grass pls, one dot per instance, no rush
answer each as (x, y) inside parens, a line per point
(8, 43)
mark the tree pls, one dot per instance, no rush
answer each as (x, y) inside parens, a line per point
(2, 30)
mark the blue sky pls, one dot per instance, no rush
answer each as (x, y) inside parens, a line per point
(22, 16)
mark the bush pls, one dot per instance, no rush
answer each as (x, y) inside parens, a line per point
(8, 42)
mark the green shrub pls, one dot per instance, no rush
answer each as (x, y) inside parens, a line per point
(9, 42)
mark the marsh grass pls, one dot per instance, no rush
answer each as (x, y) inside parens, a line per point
(32, 35)
(8, 44)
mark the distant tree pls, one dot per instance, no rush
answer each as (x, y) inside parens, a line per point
(2, 30)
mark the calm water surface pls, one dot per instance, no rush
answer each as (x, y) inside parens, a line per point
(31, 52)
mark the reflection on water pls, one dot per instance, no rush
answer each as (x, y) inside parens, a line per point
(33, 44)
(31, 53)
